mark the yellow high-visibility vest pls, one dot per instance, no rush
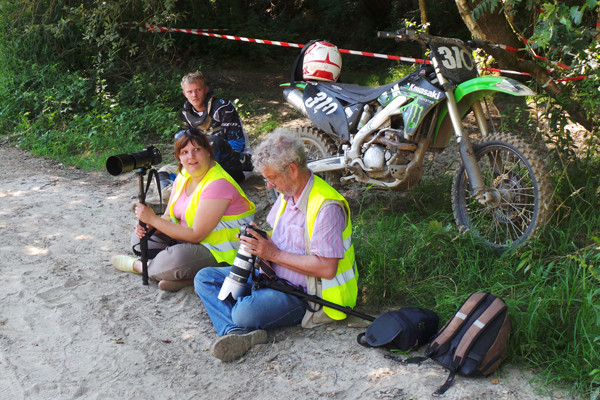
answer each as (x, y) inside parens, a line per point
(343, 288)
(222, 241)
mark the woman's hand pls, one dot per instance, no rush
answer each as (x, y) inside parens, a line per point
(144, 213)
(140, 231)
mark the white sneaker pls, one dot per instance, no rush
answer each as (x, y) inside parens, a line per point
(123, 263)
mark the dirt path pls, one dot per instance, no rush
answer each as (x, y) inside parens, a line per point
(71, 327)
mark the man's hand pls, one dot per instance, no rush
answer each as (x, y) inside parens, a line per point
(258, 245)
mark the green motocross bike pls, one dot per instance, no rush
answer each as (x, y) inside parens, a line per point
(380, 136)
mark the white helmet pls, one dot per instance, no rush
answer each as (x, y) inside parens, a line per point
(322, 62)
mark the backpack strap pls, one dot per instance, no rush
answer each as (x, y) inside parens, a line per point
(362, 341)
(442, 389)
(498, 306)
(409, 360)
(452, 327)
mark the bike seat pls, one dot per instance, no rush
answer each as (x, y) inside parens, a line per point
(361, 94)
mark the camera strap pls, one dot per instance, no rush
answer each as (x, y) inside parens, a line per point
(268, 278)
(152, 173)
(284, 286)
(266, 268)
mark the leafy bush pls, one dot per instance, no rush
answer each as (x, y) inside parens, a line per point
(76, 120)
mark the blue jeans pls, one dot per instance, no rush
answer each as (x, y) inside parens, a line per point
(261, 309)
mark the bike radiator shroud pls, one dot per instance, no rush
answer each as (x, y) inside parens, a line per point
(327, 113)
(336, 110)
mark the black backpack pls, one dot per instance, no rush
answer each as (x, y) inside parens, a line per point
(405, 329)
(473, 342)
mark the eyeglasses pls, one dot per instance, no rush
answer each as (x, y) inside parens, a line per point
(268, 182)
(271, 182)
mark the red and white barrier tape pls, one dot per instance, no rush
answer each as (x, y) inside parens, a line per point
(202, 32)
(207, 32)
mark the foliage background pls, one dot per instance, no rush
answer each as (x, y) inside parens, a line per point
(79, 81)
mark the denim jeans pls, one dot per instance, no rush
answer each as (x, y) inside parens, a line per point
(260, 309)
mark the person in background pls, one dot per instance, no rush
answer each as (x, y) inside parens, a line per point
(204, 213)
(219, 120)
(310, 247)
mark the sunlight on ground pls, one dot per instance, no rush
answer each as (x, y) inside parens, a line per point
(36, 251)
(188, 335)
(84, 237)
(379, 373)
(18, 193)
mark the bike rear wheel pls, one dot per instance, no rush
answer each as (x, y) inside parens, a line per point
(517, 175)
(319, 146)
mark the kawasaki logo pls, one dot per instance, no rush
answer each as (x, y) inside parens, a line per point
(425, 92)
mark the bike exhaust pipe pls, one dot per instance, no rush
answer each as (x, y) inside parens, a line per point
(295, 98)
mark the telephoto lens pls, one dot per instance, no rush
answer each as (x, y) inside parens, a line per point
(235, 282)
(144, 159)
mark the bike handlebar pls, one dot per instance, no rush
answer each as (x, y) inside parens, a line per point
(400, 35)
(475, 44)
(405, 34)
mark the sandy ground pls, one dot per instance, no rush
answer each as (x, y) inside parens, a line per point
(71, 327)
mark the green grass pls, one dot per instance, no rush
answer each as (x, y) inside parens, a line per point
(410, 254)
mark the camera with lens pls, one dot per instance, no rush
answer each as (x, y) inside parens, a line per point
(235, 282)
(144, 159)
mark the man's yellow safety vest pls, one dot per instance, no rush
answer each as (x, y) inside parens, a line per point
(343, 288)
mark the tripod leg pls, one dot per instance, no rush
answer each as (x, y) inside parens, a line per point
(144, 241)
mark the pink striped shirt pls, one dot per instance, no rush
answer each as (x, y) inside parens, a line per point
(289, 233)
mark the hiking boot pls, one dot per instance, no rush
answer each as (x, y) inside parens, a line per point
(236, 343)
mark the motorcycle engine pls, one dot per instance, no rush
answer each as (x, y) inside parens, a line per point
(374, 158)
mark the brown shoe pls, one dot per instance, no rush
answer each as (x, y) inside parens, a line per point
(236, 343)
(175, 286)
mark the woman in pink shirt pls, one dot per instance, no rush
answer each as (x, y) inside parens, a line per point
(199, 226)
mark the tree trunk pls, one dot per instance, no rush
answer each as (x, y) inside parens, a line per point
(494, 27)
(423, 10)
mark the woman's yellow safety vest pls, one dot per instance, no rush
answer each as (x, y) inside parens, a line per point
(222, 241)
(343, 288)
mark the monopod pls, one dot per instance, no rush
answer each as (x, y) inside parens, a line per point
(142, 160)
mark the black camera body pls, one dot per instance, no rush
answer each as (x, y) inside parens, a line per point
(144, 159)
(235, 282)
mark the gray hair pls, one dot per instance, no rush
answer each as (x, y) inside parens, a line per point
(194, 77)
(279, 149)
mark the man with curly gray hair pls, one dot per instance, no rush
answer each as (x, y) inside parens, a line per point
(310, 248)
(279, 149)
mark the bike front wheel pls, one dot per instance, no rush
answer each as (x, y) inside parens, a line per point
(515, 173)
